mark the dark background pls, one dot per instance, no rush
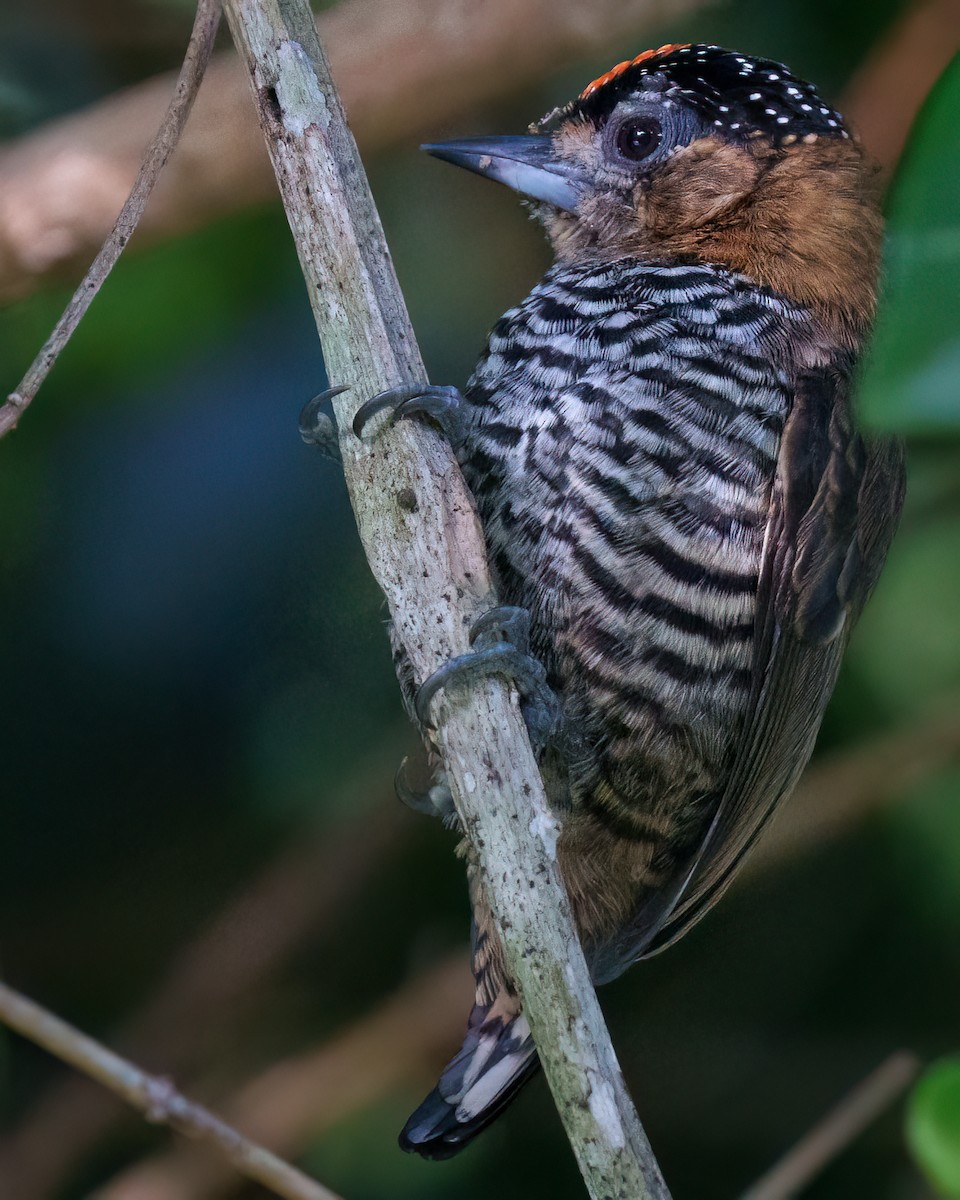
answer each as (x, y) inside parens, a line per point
(198, 690)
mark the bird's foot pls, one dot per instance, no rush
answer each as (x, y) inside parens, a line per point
(318, 428)
(501, 646)
(443, 405)
(433, 801)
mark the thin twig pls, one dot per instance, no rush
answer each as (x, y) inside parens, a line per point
(156, 1098)
(830, 1136)
(406, 68)
(188, 83)
(422, 537)
(304, 888)
(292, 1103)
(285, 906)
(221, 977)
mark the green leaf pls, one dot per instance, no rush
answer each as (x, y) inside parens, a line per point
(933, 1125)
(909, 383)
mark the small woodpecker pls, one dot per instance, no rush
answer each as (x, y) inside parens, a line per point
(678, 506)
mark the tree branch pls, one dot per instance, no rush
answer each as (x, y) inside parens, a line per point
(403, 66)
(425, 546)
(156, 1098)
(293, 1102)
(216, 978)
(196, 1014)
(188, 84)
(885, 95)
(831, 1135)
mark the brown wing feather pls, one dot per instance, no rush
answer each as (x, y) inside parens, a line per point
(834, 508)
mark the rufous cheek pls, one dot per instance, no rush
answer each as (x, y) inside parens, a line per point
(697, 186)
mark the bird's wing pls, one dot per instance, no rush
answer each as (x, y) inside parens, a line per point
(834, 507)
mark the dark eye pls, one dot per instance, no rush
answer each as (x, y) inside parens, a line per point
(638, 137)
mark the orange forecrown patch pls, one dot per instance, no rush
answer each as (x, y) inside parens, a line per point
(631, 62)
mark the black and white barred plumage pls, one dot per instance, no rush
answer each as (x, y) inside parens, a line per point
(665, 461)
(625, 425)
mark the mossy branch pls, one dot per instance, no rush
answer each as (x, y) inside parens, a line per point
(425, 546)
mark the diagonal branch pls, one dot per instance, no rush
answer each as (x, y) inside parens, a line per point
(425, 546)
(403, 66)
(195, 63)
(841, 788)
(198, 1011)
(884, 96)
(219, 973)
(295, 1101)
(156, 1098)
(834, 1132)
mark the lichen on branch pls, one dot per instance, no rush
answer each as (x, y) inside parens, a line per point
(429, 559)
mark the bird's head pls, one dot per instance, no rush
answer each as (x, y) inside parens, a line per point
(695, 153)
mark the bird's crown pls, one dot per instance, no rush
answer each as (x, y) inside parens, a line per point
(739, 96)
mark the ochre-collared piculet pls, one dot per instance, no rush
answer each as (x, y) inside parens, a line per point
(662, 447)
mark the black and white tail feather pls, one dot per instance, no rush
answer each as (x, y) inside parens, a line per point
(497, 1057)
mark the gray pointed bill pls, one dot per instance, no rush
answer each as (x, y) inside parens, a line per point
(526, 163)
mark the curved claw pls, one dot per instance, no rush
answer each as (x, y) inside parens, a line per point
(420, 399)
(501, 646)
(507, 621)
(318, 428)
(314, 424)
(434, 801)
(541, 708)
(433, 683)
(392, 398)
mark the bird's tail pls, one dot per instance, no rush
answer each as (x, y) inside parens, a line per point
(497, 1057)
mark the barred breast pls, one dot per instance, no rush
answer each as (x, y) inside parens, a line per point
(625, 426)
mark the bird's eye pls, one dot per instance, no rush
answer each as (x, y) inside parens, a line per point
(638, 137)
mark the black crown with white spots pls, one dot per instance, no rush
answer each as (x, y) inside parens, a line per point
(742, 97)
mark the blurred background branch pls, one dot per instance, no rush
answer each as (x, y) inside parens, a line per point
(841, 790)
(154, 1097)
(405, 68)
(219, 982)
(855, 1113)
(203, 861)
(293, 1101)
(222, 978)
(884, 95)
(199, 50)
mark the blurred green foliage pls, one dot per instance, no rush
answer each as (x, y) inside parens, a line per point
(195, 677)
(911, 381)
(933, 1124)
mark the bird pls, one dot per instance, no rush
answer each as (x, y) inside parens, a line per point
(683, 519)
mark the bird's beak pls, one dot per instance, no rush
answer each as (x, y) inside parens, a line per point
(528, 164)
